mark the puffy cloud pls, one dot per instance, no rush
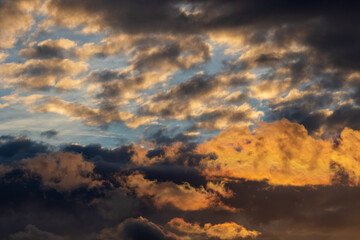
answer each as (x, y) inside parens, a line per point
(173, 153)
(37, 189)
(280, 59)
(93, 117)
(255, 22)
(228, 230)
(3, 56)
(201, 99)
(282, 43)
(221, 117)
(283, 153)
(16, 19)
(16, 148)
(111, 15)
(62, 171)
(37, 74)
(184, 197)
(48, 49)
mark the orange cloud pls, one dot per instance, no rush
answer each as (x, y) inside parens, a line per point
(183, 197)
(170, 154)
(62, 171)
(283, 153)
(92, 116)
(37, 74)
(228, 230)
(15, 20)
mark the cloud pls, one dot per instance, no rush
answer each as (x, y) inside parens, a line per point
(229, 230)
(42, 74)
(49, 133)
(37, 188)
(15, 148)
(136, 229)
(282, 153)
(163, 194)
(32, 232)
(3, 56)
(16, 19)
(48, 49)
(93, 117)
(132, 64)
(165, 16)
(256, 22)
(61, 171)
(287, 46)
(200, 99)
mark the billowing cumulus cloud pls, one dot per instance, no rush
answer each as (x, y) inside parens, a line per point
(62, 171)
(179, 194)
(283, 153)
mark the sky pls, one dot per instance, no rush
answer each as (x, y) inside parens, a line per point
(179, 120)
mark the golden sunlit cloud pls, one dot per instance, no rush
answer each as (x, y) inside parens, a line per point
(228, 230)
(282, 153)
(184, 197)
(179, 120)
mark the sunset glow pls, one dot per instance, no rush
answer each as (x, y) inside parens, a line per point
(179, 120)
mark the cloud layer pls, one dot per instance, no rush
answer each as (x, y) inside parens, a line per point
(179, 120)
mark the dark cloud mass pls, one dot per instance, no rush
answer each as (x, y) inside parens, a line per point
(179, 120)
(49, 133)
